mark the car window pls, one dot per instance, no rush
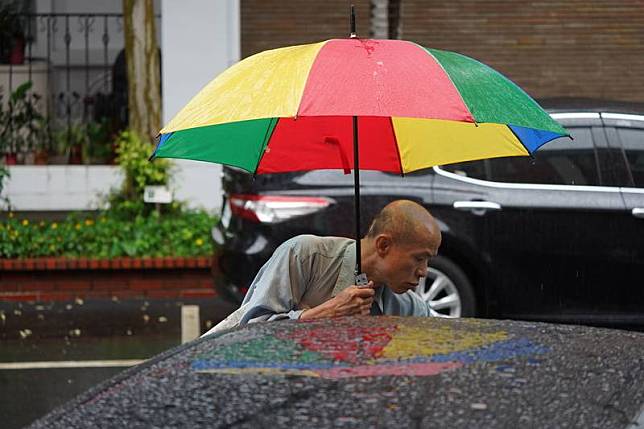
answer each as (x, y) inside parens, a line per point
(474, 169)
(633, 143)
(560, 162)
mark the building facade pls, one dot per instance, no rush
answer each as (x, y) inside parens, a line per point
(551, 48)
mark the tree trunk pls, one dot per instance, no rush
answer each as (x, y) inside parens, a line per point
(142, 59)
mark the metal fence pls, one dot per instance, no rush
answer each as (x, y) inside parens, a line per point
(76, 98)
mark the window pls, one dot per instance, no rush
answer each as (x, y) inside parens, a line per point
(633, 143)
(560, 162)
(473, 169)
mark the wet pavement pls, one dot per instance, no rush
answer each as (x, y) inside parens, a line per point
(96, 337)
(379, 372)
(103, 318)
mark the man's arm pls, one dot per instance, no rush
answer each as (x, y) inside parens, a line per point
(276, 291)
(277, 287)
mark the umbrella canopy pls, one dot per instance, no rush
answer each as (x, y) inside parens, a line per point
(387, 105)
(291, 109)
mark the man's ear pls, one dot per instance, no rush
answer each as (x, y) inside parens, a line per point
(383, 244)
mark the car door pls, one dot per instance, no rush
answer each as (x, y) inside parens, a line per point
(558, 231)
(545, 226)
(626, 134)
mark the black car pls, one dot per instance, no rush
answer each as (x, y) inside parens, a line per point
(355, 374)
(558, 237)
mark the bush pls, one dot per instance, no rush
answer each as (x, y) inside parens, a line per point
(129, 227)
(107, 235)
(133, 155)
(133, 158)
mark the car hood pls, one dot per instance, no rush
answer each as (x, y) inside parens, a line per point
(378, 371)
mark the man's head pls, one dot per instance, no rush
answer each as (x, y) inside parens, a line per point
(401, 240)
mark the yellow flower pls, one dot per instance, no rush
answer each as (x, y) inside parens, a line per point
(78, 226)
(25, 222)
(10, 215)
(54, 225)
(199, 242)
(89, 222)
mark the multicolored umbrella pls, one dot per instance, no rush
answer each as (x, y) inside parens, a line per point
(387, 105)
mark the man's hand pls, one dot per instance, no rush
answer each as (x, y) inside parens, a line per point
(351, 301)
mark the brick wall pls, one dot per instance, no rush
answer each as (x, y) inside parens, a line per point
(268, 24)
(582, 48)
(579, 48)
(59, 279)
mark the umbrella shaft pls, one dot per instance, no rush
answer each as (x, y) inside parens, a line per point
(356, 194)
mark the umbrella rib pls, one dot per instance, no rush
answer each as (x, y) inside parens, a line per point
(308, 78)
(396, 148)
(267, 136)
(452, 82)
(530, 153)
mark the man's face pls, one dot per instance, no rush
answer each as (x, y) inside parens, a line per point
(406, 262)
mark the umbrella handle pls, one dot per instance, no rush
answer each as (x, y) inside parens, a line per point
(361, 280)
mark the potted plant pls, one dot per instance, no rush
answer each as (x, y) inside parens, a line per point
(22, 126)
(59, 149)
(8, 157)
(77, 141)
(76, 144)
(12, 33)
(100, 143)
(41, 153)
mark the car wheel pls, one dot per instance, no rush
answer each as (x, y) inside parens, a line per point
(447, 290)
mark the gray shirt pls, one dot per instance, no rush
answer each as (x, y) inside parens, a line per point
(304, 272)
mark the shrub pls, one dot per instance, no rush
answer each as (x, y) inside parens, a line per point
(133, 158)
(107, 235)
(129, 227)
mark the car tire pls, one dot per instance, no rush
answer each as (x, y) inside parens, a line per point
(448, 279)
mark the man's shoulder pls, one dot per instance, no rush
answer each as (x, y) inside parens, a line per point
(309, 243)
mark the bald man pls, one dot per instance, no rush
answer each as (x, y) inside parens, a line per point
(310, 277)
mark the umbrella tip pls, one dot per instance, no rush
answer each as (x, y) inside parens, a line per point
(353, 34)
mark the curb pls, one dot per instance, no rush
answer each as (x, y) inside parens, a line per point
(123, 263)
